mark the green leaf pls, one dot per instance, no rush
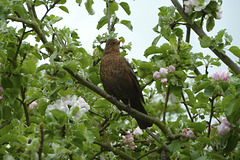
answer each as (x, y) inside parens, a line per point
(192, 99)
(209, 90)
(235, 50)
(42, 67)
(232, 142)
(127, 24)
(79, 2)
(155, 41)
(102, 22)
(29, 67)
(175, 145)
(113, 6)
(8, 138)
(60, 116)
(206, 42)
(198, 126)
(126, 7)
(89, 8)
(20, 10)
(72, 65)
(228, 39)
(6, 82)
(201, 85)
(62, 2)
(152, 50)
(201, 97)
(210, 24)
(180, 74)
(64, 9)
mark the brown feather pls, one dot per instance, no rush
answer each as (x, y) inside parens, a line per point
(120, 81)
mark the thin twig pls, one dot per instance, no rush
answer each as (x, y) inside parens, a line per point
(154, 150)
(49, 9)
(211, 115)
(153, 135)
(108, 16)
(147, 84)
(186, 106)
(95, 155)
(23, 91)
(166, 102)
(5, 123)
(41, 142)
(108, 147)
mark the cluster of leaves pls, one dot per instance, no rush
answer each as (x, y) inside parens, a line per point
(192, 97)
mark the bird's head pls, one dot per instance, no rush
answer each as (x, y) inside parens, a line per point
(112, 46)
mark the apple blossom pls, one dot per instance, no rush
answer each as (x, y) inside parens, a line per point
(190, 133)
(129, 139)
(184, 131)
(221, 75)
(156, 75)
(137, 131)
(219, 13)
(163, 72)
(224, 74)
(163, 80)
(208, 148)
(195, 5)
(70, 102)
(33, 104)
(224, 127)
(215, 76)
(171, 68)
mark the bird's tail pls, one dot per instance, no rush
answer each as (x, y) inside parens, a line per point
(136, 104)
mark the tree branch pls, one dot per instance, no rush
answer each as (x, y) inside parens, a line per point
(199, 31)
(165, 106)
(5, 123)
(186, 106)
(124, 107)
(25, 21)
(114, 150)
(41, 142)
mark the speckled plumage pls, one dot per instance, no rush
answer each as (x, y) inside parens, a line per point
(120, 81)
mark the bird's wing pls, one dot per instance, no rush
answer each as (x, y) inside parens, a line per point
(135, 81)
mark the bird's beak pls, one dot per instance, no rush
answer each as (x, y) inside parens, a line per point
(120, 40)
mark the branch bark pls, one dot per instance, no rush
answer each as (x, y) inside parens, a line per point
(199, 31)
(124, 107)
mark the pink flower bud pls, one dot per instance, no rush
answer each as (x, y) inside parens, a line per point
(132, 146)
(164, 80)
(190, 133)
(1, 90)
(163, 72)
(184, 131)
(156, 75)
(1, 98)
(33, 104)
(171, 68)
(148, 140)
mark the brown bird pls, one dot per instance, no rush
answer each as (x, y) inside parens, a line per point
(120, 81)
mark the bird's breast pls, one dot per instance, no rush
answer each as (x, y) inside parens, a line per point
(114, 75)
